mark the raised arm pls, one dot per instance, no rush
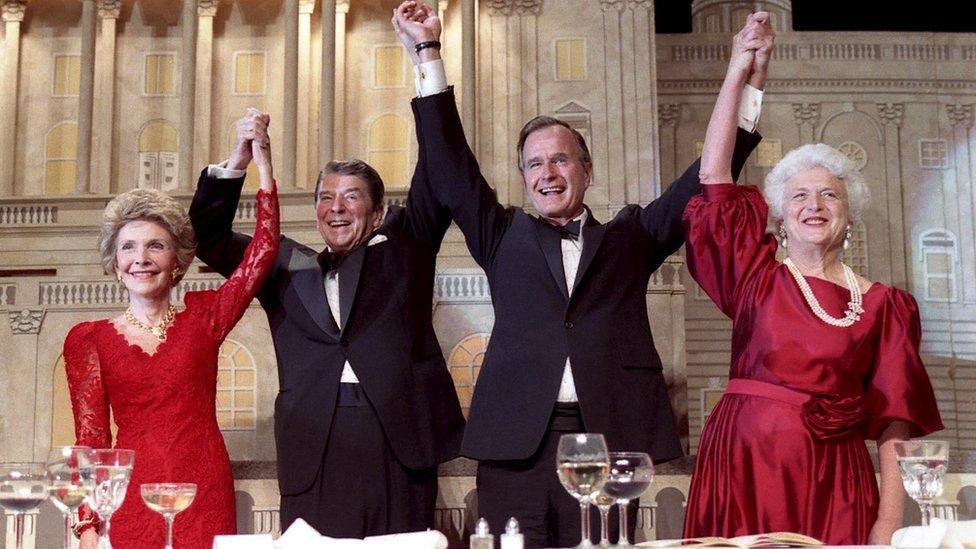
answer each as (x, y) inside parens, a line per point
(236, 294)
(214, 205)
(662, 217)
(452, 172)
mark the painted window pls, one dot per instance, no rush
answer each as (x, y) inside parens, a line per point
(939, 258)
(768, 153)
(235, 387)
(570, 59)
(388, 139)
(933, 154)
(855, 152)
(67, 75)
(159, 162)
(389, 70)
(856, 254)
(249, 73)
(159, 77)
(60, 159)
(464, 363)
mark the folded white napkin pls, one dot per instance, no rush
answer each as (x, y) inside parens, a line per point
(940, 533)
(302, 536)
(252, 541)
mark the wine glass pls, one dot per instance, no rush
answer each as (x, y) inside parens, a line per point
(168, 499)
(582, 466)
(923, 465)
(69, 473)
(23, 487)
(630, 475)
(112, 469)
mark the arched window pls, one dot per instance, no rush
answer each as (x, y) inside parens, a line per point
(388, 138)
(235, 387)
(159, 162)
(464, 363)
(939, 258)
(59, 159)
(855, 152)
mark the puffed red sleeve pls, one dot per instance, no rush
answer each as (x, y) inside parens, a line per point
(726, 241)
(236, 293)
(899, 387)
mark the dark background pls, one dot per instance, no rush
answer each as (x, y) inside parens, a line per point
(674, 16)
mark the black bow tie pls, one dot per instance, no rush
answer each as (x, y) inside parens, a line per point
(570, 230)
(334, 260)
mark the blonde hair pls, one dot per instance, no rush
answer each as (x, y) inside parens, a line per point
(147, 205)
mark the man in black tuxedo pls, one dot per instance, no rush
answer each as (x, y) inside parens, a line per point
(366, 408)
(571, 348)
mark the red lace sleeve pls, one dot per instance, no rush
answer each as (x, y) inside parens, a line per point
(236, 294)
(89, 401)
(899, 388)
(727, 244)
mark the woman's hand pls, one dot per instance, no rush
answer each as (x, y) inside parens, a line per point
(882, 531)
(756, 34)
(261, 153)
(251, 126)
(89, 539)
(415, 23)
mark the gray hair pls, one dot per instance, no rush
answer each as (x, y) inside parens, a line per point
(147, 205)
(811, 156)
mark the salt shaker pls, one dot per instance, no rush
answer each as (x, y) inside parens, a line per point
(512, 538)
(482, 538)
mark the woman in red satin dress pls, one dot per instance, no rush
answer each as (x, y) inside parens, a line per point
(822, 359)
(156, 369)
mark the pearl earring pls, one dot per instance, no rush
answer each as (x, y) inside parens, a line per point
(847, 237)
(782, 236)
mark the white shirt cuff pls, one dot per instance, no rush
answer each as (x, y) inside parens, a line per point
(217, 171)
(750, 107)
(430, 78)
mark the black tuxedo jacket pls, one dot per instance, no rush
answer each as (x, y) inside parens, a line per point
(602, 326)
(385, 291)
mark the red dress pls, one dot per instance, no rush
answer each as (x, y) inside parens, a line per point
(768, 462)
(164, 403)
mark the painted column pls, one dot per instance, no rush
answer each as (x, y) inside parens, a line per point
(891, 115)
(102, 179)
(961, 120)
(327, 100)
(339, 82)
(86, 98)
(202, 126)
(806, 116)
(667, 117)
(302, 175)
(286, 174)
(188, 75)
(468, 44)
(13, 16)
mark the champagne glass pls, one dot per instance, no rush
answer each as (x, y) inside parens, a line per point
(23, 487)
(630, 475)
(112, 469)
(582, 466)
(168, 499)
(69, 472)
(923, 465)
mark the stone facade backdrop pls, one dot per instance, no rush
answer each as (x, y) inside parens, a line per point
(101, 96)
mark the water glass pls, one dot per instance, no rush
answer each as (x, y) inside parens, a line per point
(112, 469)
(582, 466)
(923, 465)
(69, 473)
(630, 476)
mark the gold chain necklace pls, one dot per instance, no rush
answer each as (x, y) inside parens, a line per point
(159, 330)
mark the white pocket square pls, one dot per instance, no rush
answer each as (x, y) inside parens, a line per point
(376, 240)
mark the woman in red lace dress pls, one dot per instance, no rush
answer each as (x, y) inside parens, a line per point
(156, 368)
(822, 359)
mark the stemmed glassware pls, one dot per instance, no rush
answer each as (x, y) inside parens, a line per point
(582, 466)
(23, 487)
(923, 465)
(168, 499)
(112, 469)
(630, 476)
(69, 472)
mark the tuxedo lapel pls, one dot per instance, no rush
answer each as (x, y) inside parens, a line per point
(549, 241)
(592, 233)
(309, 282)
(349, 273)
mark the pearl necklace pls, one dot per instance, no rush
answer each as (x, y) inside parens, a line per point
(159, 330)
(854, 309)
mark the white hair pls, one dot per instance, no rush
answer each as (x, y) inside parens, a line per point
(811, 156)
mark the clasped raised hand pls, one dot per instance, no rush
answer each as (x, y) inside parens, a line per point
(415, 23)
